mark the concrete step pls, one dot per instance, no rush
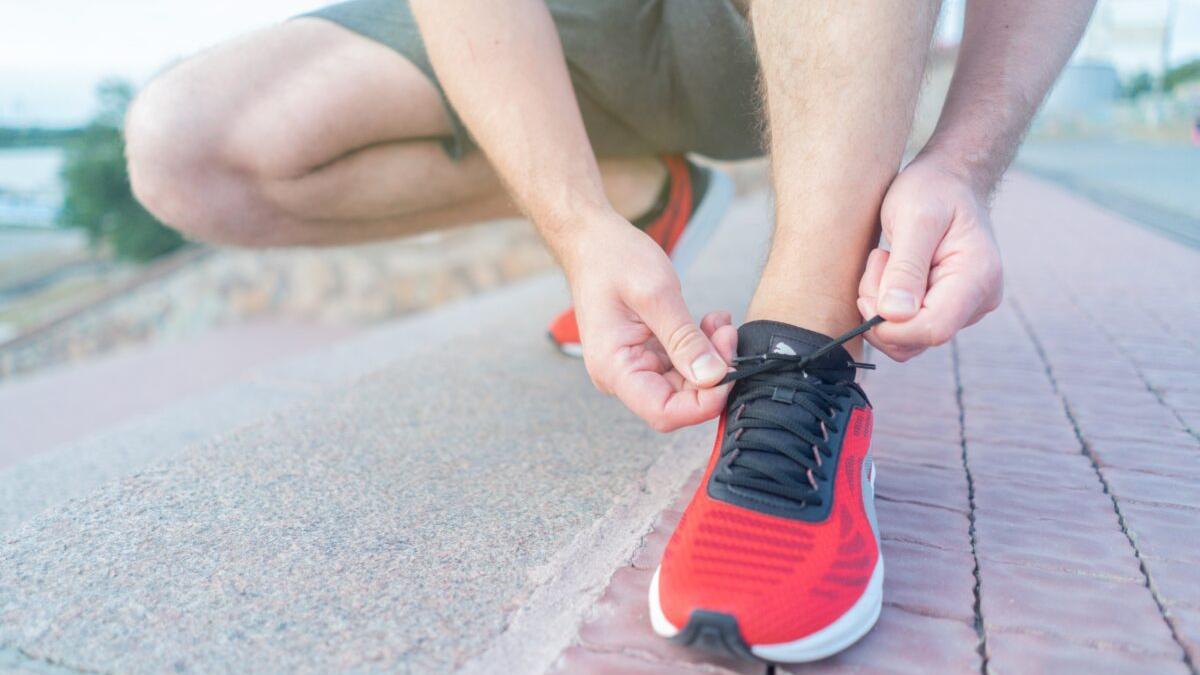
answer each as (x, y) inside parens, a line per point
(103, 392)
(444, 492)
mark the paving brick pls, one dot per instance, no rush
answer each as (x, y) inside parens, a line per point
(1051, 414)
(1164, 531)
(1166, 435)
(1145, 487)
(1016, 654)
(1087, 398)
(1072, 608)
(1016, 433)
(975, 397)
(1007, 501)
(1149, 457)
(1160, 425)
(1175, 582)
(1034, 468)
(930, 485)
(1061, 547)
(620, 620)
(929, 581)
(915, 425)
(582, 661)
(904, 643)
(1146, 418)
(888, 448)
(923, 525)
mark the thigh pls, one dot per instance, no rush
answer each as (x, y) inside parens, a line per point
(295, 96)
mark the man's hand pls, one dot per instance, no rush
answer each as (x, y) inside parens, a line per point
(639, 340)
(943, 272)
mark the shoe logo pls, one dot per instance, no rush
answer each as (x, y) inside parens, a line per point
(783, 348)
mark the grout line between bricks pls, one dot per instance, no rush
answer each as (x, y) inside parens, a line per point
(980, 631)
(1103, 330)
(1086, 450)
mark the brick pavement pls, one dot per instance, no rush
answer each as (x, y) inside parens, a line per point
(1038, 478)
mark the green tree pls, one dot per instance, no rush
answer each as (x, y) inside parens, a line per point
(1139, 84)
(1183, 73)
(98, 198)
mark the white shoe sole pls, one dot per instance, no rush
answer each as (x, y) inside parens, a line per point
(837, 636)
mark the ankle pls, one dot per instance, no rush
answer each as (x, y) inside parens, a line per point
(829, 319)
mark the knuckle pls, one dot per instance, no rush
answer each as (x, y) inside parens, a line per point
(907, 268)
(926, 217)
(647, 291)
(683, 339)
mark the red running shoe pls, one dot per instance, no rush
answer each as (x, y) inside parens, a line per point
(693, 201)
(777, 556)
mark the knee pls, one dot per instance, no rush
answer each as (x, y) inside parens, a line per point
(179, 172)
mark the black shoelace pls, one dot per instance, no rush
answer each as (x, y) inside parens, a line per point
(746, 458)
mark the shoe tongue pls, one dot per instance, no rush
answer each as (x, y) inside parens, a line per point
(774, 337)
(767, 337)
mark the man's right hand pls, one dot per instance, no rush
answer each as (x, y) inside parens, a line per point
(639, 340)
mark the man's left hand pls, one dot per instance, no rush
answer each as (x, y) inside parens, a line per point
(943, 272)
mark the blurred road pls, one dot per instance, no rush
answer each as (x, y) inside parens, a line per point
(1155, 184)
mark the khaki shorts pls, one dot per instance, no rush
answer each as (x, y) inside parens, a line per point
(651, 76)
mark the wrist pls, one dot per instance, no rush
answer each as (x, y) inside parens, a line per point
(574, 234)
(969, 165)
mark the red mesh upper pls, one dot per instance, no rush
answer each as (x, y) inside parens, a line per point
(781, 579)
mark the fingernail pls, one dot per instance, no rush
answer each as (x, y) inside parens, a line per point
(898, 300)
(707, 367)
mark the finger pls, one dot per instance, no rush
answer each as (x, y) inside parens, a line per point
(660, 354)
(906, 274)
(949, 306)
(725, 340)
(718, 326)
(868, 286)
(866, 307)
(664, 407)
(691, 352)
(714, 320)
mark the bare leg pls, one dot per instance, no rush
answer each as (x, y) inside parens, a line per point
(307, 133)
(841, 84)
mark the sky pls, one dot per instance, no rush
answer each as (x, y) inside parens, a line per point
(53, 52)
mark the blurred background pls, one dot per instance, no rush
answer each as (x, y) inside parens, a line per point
(92, 288)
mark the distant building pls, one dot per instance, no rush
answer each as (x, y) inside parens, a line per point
(1131, 35)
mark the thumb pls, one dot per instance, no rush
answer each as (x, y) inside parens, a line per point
(690, 350)
(906, 274)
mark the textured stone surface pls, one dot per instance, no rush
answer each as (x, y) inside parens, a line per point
(396, 523)
(402, 523)
(1016, 654)
(905, 643)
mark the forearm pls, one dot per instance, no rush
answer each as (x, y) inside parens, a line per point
(502, 67)
(1012, 51)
